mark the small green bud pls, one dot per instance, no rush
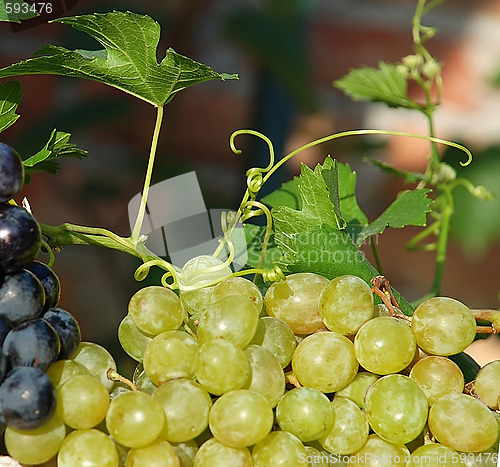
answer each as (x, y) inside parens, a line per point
(413, 61)
(446, 173)
(403, 70)
(431, 69)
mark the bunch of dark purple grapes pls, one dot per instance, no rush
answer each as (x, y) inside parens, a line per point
(34, 332)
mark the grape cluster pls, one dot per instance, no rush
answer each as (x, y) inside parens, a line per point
(311, 372)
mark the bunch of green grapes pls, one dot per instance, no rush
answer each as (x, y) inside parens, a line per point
(312, 372)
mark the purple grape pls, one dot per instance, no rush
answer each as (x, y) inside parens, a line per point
(27, 398)
(11, 173)
(67, 328)
(32, 343)
(21, 297)
(49, 281)
(5, 327)
(20, 239)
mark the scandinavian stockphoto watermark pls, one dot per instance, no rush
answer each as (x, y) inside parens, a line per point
(178, 225)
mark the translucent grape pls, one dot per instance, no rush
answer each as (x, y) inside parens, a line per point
(142, 380)
(82, 401)
(221, 366)
(487, 384)
(438, 376)
(305, 413)
(325, 361)
(238, 286)
(159, 453)
(279, 448)
(62, 370)
(277, 336)
(346, 303)
(134, 419)
(38, 445)
(321, 458)
(170, 355)
(396, 408)
(213, 453)
(195, 301)
(357, 388)
(232, 317)
(296, 301)
(463, 423)
(385, 345)
(186, 406)
(350, 430)
(434, 454)
(443, 326)
(97, 360)
(186, 452)
(133, 341)
(379, 453)
(91, 448)
(267, 377)
(156, 309)
(241, 418)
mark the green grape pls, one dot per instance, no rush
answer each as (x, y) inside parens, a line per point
(325, 361)
(186, 406)
(232, 317)
(487, 384)
(156, 309)
(267, 377)
(133, 341)
(434, 454)
(241, 287)
(62, 370)
(82, 401)
(357, 388)
(349, 432)
(186, 452)
(89, 448)
(159, 453)
(463, 423)
(305, 413)
(380, 310)
(276, 336)
(438, 376)
(170, 355)
(38, 445)
(317, 457)
(134, 419)
(221, 366)
(241, 418)
(396, 408)
(346, 303)
(199, 271)
(443, 326)
(296, 301)
(195, 301)
(213, 453)
(385, 345)
(142, 380)
(97, 360)
(379, 453)
(279, 448)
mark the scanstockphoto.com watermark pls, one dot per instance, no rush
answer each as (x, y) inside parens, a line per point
(374, 459)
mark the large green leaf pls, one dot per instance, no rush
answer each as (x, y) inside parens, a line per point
(10, 96)
(385, 84)
(16, 10)
(409, 208)
(57, 147)
(127, 62)
(287, 195)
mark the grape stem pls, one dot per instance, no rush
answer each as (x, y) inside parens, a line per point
(113, 375)
(292, 379)
(492, 316)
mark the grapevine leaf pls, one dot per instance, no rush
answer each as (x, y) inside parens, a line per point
(57, 146)
(127, 62)
(255, 238)
(324, 250)
(317, 207)
(351, 212)
(16, 10)
(385, 84)
(330, 175)
(287, 195)
(409, 177)
(10, 96)
(410, 208)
